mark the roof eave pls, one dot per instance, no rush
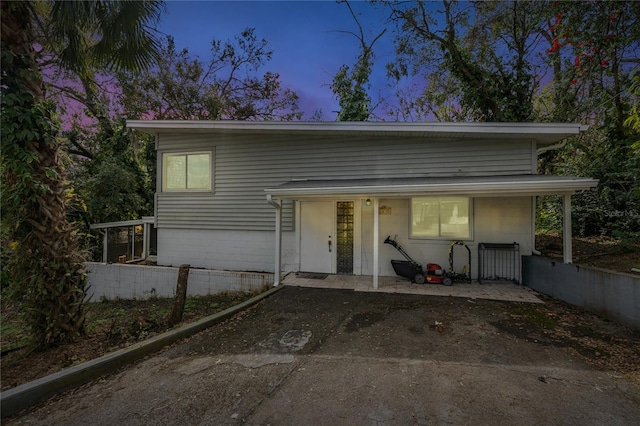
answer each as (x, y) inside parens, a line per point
(476, 128)
(544, 134)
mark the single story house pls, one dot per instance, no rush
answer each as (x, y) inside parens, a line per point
(323, 196)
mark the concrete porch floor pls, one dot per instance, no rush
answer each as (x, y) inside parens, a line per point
(493, 290)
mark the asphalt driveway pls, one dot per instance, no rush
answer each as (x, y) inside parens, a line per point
(315, 356)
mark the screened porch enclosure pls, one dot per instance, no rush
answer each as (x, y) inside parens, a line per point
(125, 241)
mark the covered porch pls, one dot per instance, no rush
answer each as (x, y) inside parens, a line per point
(504, 291)
(376, 189)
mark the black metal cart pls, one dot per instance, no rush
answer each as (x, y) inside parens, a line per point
(451, 275)
(499, 262)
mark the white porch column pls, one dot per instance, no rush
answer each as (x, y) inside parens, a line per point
(277, 204)
(105, 246)
(278, 254)
(376, 237)
(567, 248)
(145, 240)
(133, 242)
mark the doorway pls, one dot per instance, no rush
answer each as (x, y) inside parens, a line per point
(327, 236)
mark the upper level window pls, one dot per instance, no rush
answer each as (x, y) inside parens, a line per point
(440, 217)
(187, 172)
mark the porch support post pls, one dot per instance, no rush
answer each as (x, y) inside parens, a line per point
(567, 249)
(133, 242)
(276, 278)
(105, 245)
(376, 237)
(145, 240)
(277, 204)
(278, 253)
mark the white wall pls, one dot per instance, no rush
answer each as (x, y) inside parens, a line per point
(504, 220)
(226, 250)
(496, 220)
(123, 281)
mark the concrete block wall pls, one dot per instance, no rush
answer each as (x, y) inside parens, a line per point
(112, 281)
(611, 294)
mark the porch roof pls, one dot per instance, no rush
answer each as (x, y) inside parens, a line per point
(512, 185)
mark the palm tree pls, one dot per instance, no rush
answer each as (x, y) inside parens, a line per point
(46, 263)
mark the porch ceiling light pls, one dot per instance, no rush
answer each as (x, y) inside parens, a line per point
(368, 202)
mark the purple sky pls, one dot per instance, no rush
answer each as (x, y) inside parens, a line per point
(308, 49)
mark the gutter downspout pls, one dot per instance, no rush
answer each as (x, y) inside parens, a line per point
(552, 147)
(277, 204)
(558, 145)
(581, 128)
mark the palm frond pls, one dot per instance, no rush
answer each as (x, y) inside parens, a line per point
(129, 39)
(117, 34)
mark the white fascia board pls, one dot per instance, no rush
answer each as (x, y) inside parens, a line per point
(472, 189)
(152, 126)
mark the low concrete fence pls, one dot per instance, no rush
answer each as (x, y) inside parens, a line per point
(613, 295)
(123, 281)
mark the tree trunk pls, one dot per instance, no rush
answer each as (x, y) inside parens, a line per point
(181, 296)
(46, 263)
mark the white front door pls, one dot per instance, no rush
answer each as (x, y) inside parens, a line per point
(317, 230)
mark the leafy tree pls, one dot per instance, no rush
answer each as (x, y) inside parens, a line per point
(593, 48)
(633, 120)
(115, 183)
(438, 97)
(485, 50)
(351, 85)
(224, 87)
(45, 261)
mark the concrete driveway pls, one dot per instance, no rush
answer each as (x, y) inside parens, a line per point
(309, 356)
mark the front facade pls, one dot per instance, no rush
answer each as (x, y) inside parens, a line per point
(322, 197)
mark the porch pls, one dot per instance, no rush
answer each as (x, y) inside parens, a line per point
(492, 291)
(486, 209)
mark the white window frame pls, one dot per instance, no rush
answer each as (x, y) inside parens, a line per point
(440, 237)
(166, 155)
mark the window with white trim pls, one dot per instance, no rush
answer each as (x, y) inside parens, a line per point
(440, 217)
(186, 172)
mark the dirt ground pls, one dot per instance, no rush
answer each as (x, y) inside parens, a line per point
(110, 325)
(120, 323)
(315, 356)
(601, 252)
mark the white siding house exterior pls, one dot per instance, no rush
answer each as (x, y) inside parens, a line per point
(270, 196)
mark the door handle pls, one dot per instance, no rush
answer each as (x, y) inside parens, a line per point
(329, 245)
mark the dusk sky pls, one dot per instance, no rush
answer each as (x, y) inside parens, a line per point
(304, 36)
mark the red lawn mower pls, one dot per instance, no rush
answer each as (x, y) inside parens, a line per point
(412, 270)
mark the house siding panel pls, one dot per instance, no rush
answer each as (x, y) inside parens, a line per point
(246, 164)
